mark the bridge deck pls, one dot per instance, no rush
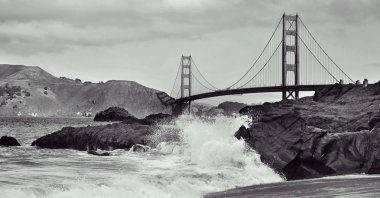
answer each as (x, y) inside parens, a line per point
(251, 90)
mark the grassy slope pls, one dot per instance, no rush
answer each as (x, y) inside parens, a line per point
(67, 97)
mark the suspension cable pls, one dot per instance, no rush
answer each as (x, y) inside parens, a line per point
(324, 50)
(266, 63)
(202, 75)
(179, 67)
(317, 59)
(201, 83)
(262, 52)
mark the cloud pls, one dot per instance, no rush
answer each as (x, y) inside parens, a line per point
(41, 26)
(377, 65)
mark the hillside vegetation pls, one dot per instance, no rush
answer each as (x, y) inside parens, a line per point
(26, 90)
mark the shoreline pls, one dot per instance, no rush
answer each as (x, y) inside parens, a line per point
(352, 185)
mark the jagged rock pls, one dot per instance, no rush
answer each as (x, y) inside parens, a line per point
(140, 148)
(375, 120)
(92, 152)
(256, 110)
(133, 120)
(231, 107)
(120, 114)
(108, 137)
(151, 119)
(8, 141)
(332, 93)
(290, 147)
(242, 133)
(159, 118)
(114, 114)
(131, 131)
(361, 128)
(373, 158)
(336, 134)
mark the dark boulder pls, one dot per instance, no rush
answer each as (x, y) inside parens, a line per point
(107, 137)
(114, 114)
(243, 133)
(159, 118)
(120, 114)
(231, 107)
(332, 93)
(375, 120)
(151, 119)
(133, 120)
(256, 111)
(335, 132)
(140, 148)
(373, 157)
(92, 150)
(8, 141)
(298, 151)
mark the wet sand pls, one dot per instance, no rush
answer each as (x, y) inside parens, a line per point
(339, 186)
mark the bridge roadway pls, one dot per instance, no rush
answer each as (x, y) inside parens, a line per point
(225, 92)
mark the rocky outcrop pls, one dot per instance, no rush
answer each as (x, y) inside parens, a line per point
(375, 120)
(139, 148)
(151, 119)
(114, 114)
(255, 111)
(8, 141)
(108, 137)
(120, 114)
(231, 107)
(336, 134)
(131, 132)
(158, 118)
(243, 133)
(93, 151)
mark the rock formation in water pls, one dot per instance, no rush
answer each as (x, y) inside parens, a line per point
(231, 107)
(31, 91)
(122, 135)
(107, 137)
(8, 141)
(140, 148)
(335, 132)
(225, 108)
(113, 114)
(121, 114)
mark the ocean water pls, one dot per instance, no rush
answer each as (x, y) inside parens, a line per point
(201, 157)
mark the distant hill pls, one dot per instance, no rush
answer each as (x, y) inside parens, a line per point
(231, 107)
(28, 90)
(225, 108)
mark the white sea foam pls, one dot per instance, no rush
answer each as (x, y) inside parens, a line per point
(202, 157)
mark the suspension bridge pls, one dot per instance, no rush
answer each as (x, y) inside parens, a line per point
(291, 61)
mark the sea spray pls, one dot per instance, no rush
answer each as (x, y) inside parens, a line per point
(192, 157)
(209, 145)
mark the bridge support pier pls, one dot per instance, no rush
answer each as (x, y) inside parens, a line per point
(290, 94)
(290, 56)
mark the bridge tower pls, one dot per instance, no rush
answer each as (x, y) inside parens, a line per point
(186, 78)
(290, 56)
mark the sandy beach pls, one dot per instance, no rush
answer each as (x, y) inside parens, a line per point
(339, 186)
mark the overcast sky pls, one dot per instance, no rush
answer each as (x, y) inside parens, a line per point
(143, 40)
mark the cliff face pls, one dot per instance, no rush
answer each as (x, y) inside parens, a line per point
(335, 132)
(31, 90)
